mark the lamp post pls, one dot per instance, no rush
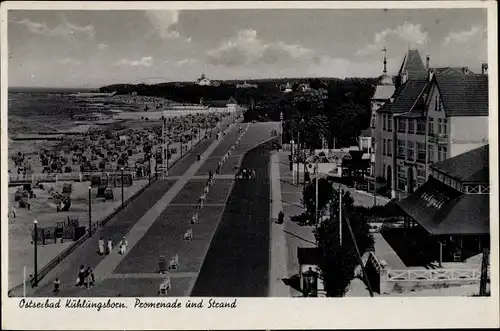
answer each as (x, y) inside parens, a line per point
(122, 186)
(90, 211)
(281, 129)
(149, 166)
(35, 242)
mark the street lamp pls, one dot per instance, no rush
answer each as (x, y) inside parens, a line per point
(90, 211)
(122, 186)
(149, 166)
(35, 242)
(281, 129)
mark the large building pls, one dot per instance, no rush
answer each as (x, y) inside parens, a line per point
(433, 114)
(453, 206)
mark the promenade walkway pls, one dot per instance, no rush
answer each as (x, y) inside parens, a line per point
(295, 234)
(142, 211)
(279, 259)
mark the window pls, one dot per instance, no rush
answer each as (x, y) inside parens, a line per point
(440, 125)
(431, 153)
(411, 126)
(420, 126)
(401, 144)
(401, 124)
(439, 108)
(445, 153)
(420, 152)
(389, 123)
(445, 126)
(389, 147)
(402, 178)
(384, 142)
(384, 120)
(430, 129)
(411, 150)
(440, 153)
(421, 173)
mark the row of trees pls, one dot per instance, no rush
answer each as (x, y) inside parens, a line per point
(339, 261)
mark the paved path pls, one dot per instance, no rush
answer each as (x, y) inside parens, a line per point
(110, 263)
(295, 235)
(278, 260)
(116, 228)
(237, 263)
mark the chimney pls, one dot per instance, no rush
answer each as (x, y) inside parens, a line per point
(484, 68)
(427, 60)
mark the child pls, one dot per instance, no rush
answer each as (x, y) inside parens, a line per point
(57, 283)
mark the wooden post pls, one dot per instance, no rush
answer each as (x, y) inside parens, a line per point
(484, 273)
(440, 253)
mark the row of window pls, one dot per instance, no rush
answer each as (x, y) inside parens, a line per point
(442, 126)
(437, 155)
(416, 126)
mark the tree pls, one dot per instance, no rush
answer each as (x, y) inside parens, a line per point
(339, 261)
(325, 194)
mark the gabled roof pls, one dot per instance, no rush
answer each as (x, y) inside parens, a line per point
(412, 64)
(469, 167)
(442, 210)
(451, 71)
(463, 95)
(408, 95)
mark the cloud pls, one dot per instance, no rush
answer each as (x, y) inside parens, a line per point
(184, 62)
(65, 29)
(464, 36)
(102, 46)
(70, 61)
(246, 48)
(164, 22)
(146, 61)
(407, 34)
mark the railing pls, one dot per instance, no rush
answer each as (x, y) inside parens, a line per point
(72, 176)
(434, 275)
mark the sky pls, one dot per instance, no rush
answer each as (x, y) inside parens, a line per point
(96, 48)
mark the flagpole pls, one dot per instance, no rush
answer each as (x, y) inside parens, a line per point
(340, 216)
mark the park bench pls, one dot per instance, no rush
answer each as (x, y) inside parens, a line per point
(165, 286)
(174, 263)
(188, 235)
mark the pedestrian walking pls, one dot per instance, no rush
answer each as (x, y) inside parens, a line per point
(13, 212)
(86, 277)
(110, 246)
(57, 283)
(101, 246)
(123, 246)
(194, 218)
(80, 281)
(89, 278)
(281, 217)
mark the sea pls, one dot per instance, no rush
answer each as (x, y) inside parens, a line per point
(35, 110)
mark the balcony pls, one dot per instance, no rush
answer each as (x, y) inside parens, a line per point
(440, 139)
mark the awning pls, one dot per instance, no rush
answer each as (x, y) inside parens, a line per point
(442, 210)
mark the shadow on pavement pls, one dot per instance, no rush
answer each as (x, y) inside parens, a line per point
(298, 237)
